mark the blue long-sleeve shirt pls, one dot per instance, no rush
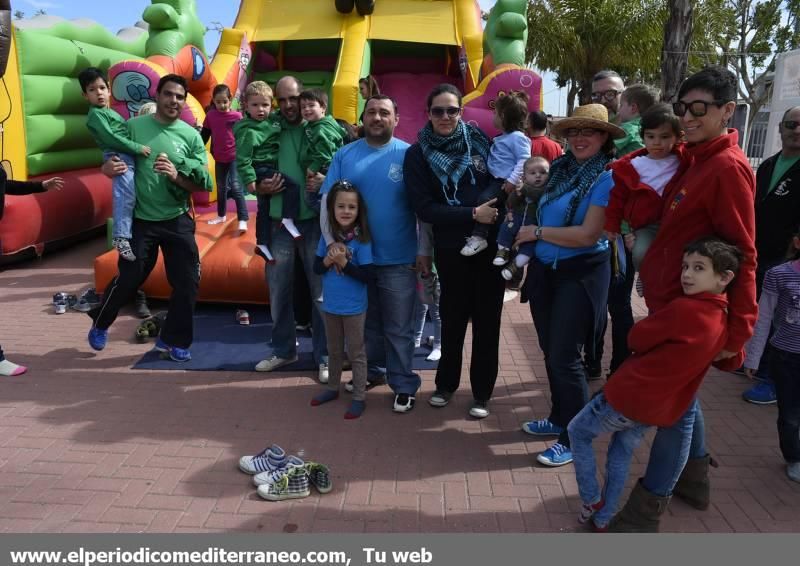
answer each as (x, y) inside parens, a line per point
(508, 155)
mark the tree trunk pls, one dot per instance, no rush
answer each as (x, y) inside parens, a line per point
(675, 55)
(571, 94)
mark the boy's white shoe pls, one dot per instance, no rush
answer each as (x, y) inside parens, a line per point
(242, 226)
(474, 245)
(218, 220)
(288, 223)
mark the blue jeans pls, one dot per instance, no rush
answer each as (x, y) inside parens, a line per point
(280, 278)
(392, 293)
(123, 191)
(595, 418)
(229, 186)
(672, 447)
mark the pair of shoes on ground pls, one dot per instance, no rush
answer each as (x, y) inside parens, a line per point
(150, 327)
(242, 227)
(274, 362)
(243, 317)
(478, 410)
(558, 454)
(63, 301)
(279, 477)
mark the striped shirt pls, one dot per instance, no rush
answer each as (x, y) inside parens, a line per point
(779, 306)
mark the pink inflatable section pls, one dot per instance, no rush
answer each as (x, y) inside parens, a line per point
(480, 111)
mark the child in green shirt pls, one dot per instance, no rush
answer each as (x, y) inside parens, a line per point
(110, 132)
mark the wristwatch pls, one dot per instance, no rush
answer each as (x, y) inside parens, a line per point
(538, 232)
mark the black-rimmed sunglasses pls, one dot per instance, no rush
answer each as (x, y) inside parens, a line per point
(790, 124)
(697, 108)
(451, 111)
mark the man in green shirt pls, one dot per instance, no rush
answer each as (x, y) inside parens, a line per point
(164, 180)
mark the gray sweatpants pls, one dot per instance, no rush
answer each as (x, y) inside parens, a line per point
(350, 329)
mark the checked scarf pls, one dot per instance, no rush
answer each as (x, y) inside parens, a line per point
(450, 157)
(567, 175)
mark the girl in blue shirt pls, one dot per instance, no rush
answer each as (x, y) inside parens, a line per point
(344, 267)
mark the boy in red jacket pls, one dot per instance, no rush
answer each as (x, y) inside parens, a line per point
(672, 351)
(640, 178)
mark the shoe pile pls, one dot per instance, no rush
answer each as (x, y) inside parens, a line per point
(62, 301)
(150, 327)
(278, 477)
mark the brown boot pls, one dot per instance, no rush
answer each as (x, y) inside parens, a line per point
(693, 486)
(641, 513)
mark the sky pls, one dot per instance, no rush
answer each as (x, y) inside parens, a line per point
(117, 15)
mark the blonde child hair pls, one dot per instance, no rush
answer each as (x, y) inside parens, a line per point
(257, 88)
(147, 108)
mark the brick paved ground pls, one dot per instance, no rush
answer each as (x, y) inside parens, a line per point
(88, 445)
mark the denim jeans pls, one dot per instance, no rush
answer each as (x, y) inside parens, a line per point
(594, 419)
(419, 321)
(123, 191)
(672, 447)
(785, 370)
(229, 186)
(392, 295)
(509, 230)
(280, 278)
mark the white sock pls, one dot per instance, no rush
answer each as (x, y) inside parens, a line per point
(522, 260)
(265, 249)
(435, 355)
(499, 247)
(288, 223)
(8, 369)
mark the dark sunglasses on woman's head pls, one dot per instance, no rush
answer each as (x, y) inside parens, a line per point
(609, 95)
(439, 112)
(790, 124)
(697, 108)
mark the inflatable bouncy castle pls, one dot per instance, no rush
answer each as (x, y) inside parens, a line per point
(408, 46)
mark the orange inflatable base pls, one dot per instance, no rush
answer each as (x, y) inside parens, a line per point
(230, 271)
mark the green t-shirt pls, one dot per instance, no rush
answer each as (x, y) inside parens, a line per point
(633, 137)
(110, 132)
(157, 198)
(782, 165)
(289, 165)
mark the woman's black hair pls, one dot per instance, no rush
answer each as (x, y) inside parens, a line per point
(444, 88)
(715, 80)
(345, 186)
(659, 114)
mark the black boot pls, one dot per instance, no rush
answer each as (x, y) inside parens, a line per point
(345, 6)
(693, 486)
(142, 310)
(365, 7)
(641, 513)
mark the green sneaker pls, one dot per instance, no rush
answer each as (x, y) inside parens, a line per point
(320, 476)
(293, 485)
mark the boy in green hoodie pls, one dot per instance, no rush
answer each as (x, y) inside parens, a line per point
(323, 137)
(257, 136)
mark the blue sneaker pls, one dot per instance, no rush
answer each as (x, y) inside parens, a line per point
(542, 428)
(762, 393)
(175, 354)
(98, 338)
(556, 455)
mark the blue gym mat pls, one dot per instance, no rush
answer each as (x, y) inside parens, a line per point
(221, 344)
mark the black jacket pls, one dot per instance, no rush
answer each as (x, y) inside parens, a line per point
(452, 224)
(777, 213)
(15, 188)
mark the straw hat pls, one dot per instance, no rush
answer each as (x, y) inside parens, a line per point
(589, 116)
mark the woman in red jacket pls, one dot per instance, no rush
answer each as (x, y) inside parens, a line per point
(714, 197)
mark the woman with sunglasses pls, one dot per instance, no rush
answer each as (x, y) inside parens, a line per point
(568, 280)
(713, 197)
(445, 173)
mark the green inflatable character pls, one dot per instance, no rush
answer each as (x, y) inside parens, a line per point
(173, 25)
(506, 33)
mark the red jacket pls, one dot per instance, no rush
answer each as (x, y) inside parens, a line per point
(633, 201)
(714, 197)
(672, 351)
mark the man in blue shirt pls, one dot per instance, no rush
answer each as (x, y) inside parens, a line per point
(375, 166)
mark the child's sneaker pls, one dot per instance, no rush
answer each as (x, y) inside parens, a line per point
(218, 220)
(97, 338)
(288, 223)
(502, 256)
(242, 226)
(556, 455)
(474, 245)
(174, 353)
(542, 427)
(510, 271)
(588, 510)
(243, 317)
(124, 248)
(292, 484)
(271, 458)
(60, 306)
(320, 476)
(291, 464)
(263, 252)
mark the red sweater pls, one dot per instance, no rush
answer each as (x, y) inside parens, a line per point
(672, 351)
(633, 201)
(714, 197)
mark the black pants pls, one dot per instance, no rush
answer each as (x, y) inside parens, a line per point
(563, 316)
(471, 289)
(175, 237)
(494, 189)
(621, 311)
(784, 368)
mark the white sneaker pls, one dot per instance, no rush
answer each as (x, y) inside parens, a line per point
(474, 245)
(403, 403)
(242, 226)
(274, 362)
(218, 220)
(435, 355)
(323, 373)
(479, 410)
(288, 223)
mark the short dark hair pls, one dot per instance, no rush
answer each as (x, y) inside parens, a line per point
(512, 109)
(344, 186)
(785, 114)
(659, 114)
(724, 256)
(537, 120)
(89, 75)
(172, 78)
(443, 88)
(221, 89)
(643, 96)
(382, 97)
(606, 74)
(793, 252)
(715, 80)
(315, 94)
